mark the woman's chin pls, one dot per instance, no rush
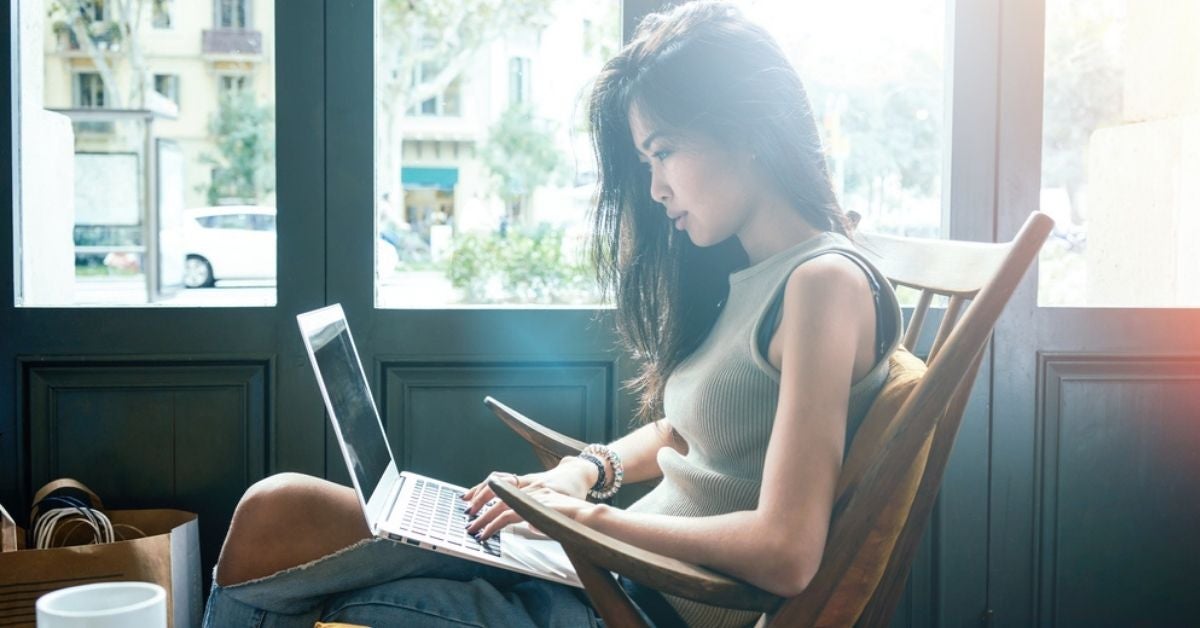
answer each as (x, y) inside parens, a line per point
(701, 240)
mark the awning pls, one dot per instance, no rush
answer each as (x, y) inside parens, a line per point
(436, 178)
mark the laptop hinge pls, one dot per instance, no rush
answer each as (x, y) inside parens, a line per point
(393, 499)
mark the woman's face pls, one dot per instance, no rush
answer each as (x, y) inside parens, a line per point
(704, 188)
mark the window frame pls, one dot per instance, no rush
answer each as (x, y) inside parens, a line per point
(78, 89)
(175, 82)
(166, 7)
(244, 80)
(247, 14)
(520, 79)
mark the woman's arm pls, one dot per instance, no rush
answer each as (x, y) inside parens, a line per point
(639, 451)
(574, 476)
(827, 315)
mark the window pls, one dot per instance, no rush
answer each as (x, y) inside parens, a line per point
(91, 10)
(232, 85)
(161, 17)
(1119, 155)
(168, 86)
(263, 222)
(519, 79)
(232, 14)
(446, 103)
(875, 76)
(244, 222)
(485, 203)
(89, 90)
(110, 178)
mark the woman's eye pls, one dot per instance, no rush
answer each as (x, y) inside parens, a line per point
(662, 154)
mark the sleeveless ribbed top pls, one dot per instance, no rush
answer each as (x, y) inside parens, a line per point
(722, 399)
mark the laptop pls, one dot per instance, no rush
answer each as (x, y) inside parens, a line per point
(400, 505)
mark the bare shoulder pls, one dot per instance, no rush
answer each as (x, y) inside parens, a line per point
(826, 281)
(826, 300)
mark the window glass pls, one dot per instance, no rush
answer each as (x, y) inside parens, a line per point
(518, 80)
(167, 85)
(875, 74)
(232, 14)
(1120, 153)
(162, 14)
(484, 172)
(235, 221)
(263, 222)
(89, 90)
(116, 162)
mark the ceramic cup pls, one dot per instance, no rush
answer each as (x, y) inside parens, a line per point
(104, 605)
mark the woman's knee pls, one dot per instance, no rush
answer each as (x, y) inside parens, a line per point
(285, 520)
(269, 501)
(301, 504)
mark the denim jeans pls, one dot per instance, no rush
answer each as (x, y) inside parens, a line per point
(381, 583)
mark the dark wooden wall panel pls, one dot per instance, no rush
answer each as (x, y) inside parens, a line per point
(152, 434)
(1120, 490)
(437, 423)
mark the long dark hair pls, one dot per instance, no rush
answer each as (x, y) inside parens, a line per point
(701, 69)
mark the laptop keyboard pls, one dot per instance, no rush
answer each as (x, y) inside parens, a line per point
(439, 512)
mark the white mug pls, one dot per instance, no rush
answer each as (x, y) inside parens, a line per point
(104, 605)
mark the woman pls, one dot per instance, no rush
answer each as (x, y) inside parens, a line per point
(763, 337)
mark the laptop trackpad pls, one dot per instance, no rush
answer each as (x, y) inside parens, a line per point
(537, 550)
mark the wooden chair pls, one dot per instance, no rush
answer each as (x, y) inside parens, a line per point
(891, 474)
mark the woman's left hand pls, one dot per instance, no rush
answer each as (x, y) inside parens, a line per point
(498, 515)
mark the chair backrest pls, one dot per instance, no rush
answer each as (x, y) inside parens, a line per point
(548, 445)
(895, 464)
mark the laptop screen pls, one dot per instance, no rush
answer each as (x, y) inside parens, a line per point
(353, 408)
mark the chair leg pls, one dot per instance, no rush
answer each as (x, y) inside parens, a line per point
(608, 598)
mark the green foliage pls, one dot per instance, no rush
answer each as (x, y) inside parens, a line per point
(435, 41)
(597, 36)
(521, 154)
(524, 266)
(424, 30)
(894, 128)
(245, 136)
(1083, 86)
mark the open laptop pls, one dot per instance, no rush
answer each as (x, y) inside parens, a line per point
(399, 505)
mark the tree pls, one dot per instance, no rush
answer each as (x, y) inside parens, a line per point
(244, 132)
(440, 38)
(521, 155)
(107, 30)
(1083, 88)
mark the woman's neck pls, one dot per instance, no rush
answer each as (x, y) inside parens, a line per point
(773, 229)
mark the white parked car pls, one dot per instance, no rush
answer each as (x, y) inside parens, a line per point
(228, 242)
(238, 242)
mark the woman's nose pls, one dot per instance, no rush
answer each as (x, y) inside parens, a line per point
(659, 190)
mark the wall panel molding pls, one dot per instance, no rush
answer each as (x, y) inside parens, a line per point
(49, 381)
(1117, 486)
(437, 424)
(148, 432)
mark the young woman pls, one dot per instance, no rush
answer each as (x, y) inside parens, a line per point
(763, 337)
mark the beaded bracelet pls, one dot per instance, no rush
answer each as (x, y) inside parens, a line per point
(618, 475)
(600, 477)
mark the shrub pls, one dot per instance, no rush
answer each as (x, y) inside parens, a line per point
(525, 265)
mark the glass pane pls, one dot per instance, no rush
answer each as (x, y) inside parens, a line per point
(142, 134)
(1121, 153)
(484, 168)
(875, 76)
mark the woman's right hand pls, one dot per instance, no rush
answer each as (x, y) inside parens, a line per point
(573, 477)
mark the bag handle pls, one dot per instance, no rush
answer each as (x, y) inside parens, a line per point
(8, 532)
(61, 483)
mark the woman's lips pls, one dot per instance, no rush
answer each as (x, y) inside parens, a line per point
(681, 222)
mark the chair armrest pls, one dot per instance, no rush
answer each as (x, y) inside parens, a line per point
(549, 445)
(662, 573)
